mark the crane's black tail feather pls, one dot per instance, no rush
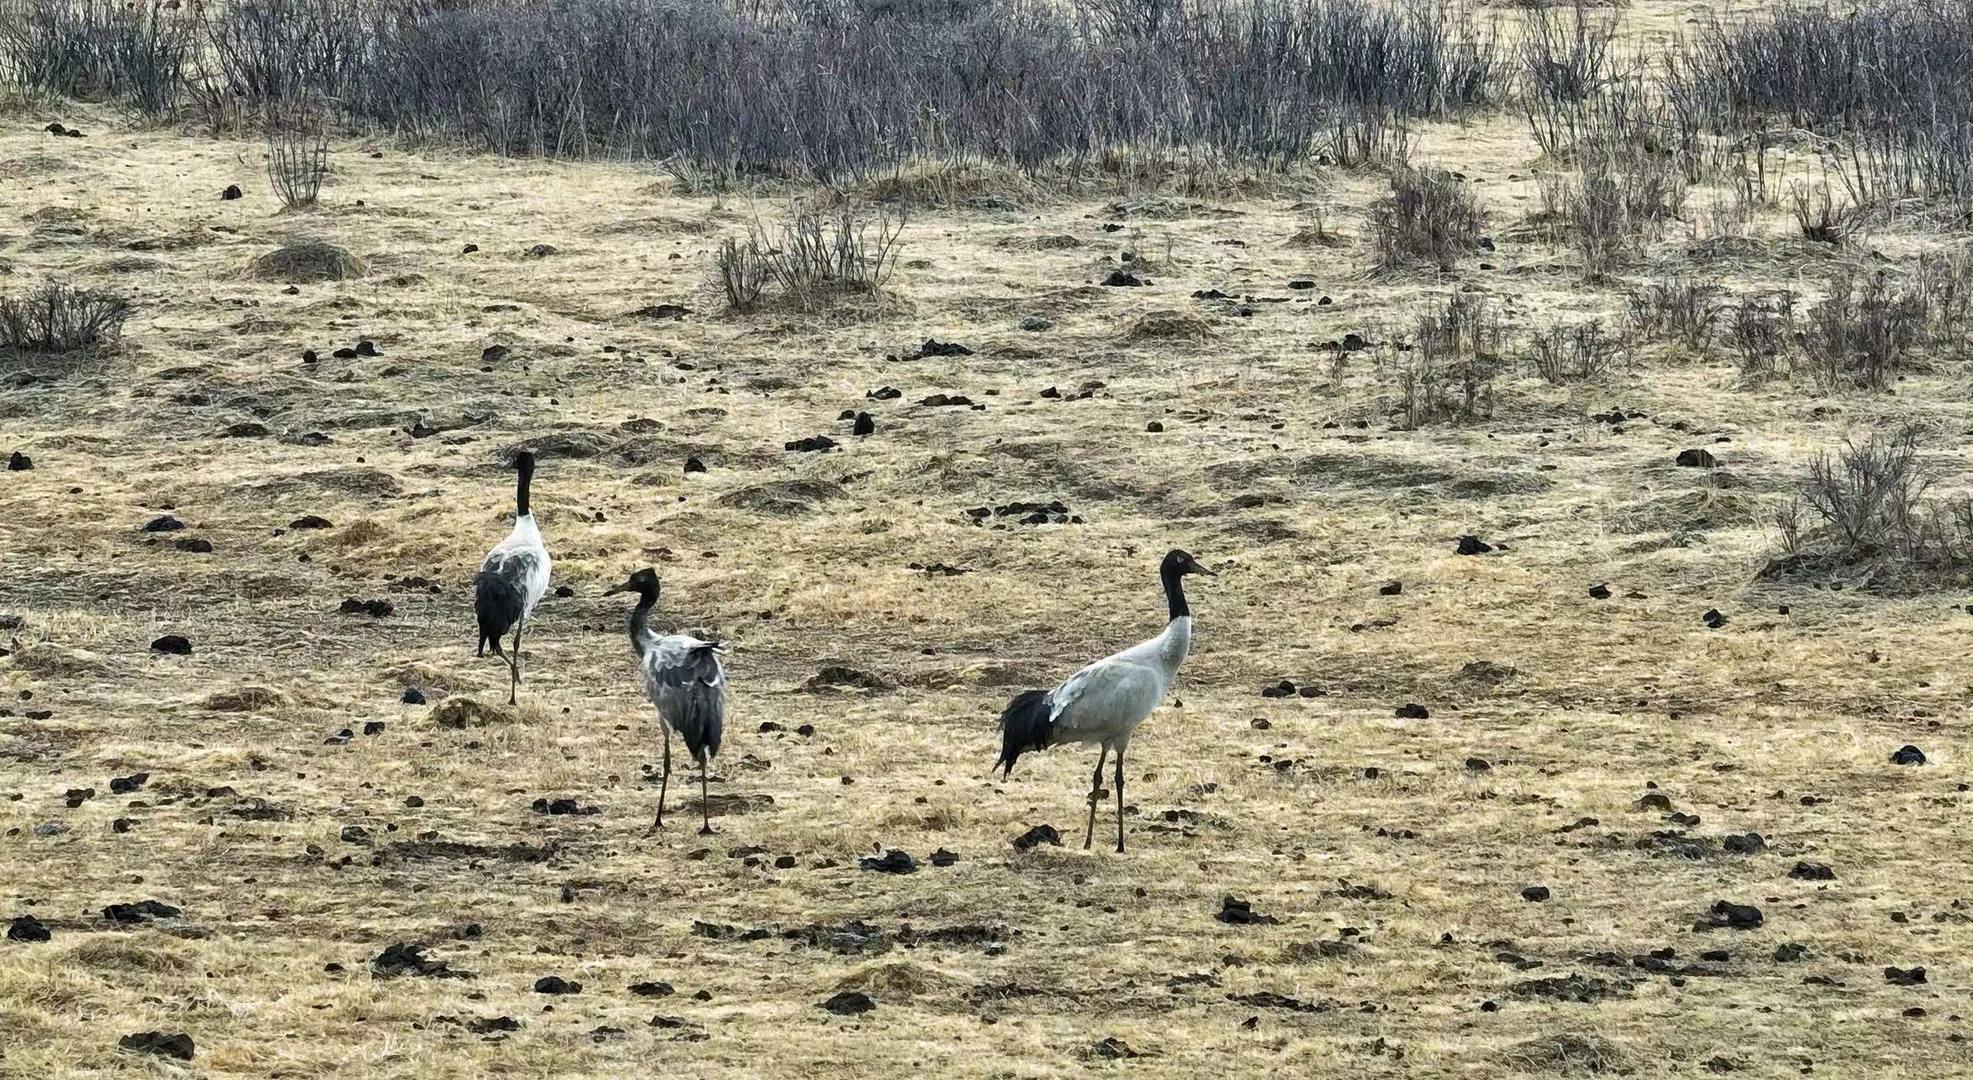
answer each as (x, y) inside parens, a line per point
(498, 603)
(1024, 726)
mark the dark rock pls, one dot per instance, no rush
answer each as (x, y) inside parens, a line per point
(157, 1042)
(1035, 324)
(1124, 278)
(1535, 894)
(404, 958)
(563, 808)
(539, 251)
(849, 1003)
(1713, 619)
(373, 727)
(27, 928)
(493, 1025)
(1154, 427)
(245, 429)
(356, 834)
(1390, 588)
(163, 523)
(652, 989)
(1035, 837)
(172, 645)
(1791, 952)
(1908, 755)
(555, 984)
(19, 462)
(1599, 592)
(1572, 987)
(694, 465)
(865, 424)
(413, 696)
(197, 545)
(1237, 912)
(894, 861)
(309, 521)
(124, 785)
(1812, 871)
(1472, 545)
(935, 347)
(884, 393)
(376, 609)
(232, 192)
(1282, 689)
(1697, 459)
(1301, 284)
(1905, 976)
(810, 444)
(941, 857)
(1752, 843)
(1727, 915)
(139, 912)
(1411, 710)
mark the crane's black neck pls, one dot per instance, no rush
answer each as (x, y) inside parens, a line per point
(1174, 579)
(526, 469)
(640, 617)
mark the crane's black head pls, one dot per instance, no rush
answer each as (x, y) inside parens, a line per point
(644, 583)
(1179, 563)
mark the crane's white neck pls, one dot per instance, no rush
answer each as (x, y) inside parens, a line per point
(1175, 643)
(525, 530)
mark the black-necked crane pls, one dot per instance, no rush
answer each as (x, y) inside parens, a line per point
(684, 679)
(512, 580)
(1104, 702)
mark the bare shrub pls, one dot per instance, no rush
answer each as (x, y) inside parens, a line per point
(1579, 353)
(1565, 62)
(97, 50)
(815, 258)
(1761, 335)
(1864, 507)
(1818, 215)
(57, 320)
(1684, 312)
(297, 157)
(1447, 375)
(1430, 218)
(1862, 332)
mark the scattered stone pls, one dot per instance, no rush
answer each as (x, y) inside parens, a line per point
(894, 861)
(1908, 755)
(124, 785)
(652, 989)
(413, 696)
(1535, 894)
(935, 347)
(307, 522)
(810, 444)
(849, 1003)
(140, 912)
(1391, 588)
(157, 1042)
(1713, 619)
(1124, 278)
(694, 465)
(1730, 916)
(172, 645)
(355, 834)
(1812, 871)
(1905, 976)
(19, 462)
(1752, 843)
(27, 928)
(1599, 592)
(1790, 953)
(1154, 427)
(539, 251)
(404, 958)
(884, 393)
(197, 545)
(865, 424)
(1411, 710)
(1237, 912)
(232, 192)
(1035, 837)
(493, 1025)
(1472, 545)
(555, 984)
(376, 609)
(163, 523)
(941, 857)
(1697, 459)
(1035, 324)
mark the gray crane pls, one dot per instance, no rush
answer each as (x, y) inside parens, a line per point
(684, 679)
(1104, 702)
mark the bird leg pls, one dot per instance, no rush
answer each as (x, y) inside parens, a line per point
(1120, 800)
(514, 664)
(664, 779)
(705, 801)
(1095, 796)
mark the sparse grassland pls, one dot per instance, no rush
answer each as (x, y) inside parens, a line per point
(1702, 603)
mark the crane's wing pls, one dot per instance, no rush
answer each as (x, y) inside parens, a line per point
(684, 679)
(501, 591)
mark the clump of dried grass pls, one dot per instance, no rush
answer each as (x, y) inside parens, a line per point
(306, 262)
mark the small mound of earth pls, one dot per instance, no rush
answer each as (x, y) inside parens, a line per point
(244, 699)
(1165, 325)
(784, 498)
(1567, 1053)
(463, 712)
(305, 262)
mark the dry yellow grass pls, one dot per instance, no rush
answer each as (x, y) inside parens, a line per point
(1393, 865)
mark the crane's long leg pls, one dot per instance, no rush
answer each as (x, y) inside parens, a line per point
(664, 778)
(514, 663)
(1095, 793)
(1120, 800)
(705, 802)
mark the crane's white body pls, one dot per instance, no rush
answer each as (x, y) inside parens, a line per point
(522, 560)
(1104, 702)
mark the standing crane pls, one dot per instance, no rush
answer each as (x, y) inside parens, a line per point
(683, 678)
(512, 579)
(1104, 702)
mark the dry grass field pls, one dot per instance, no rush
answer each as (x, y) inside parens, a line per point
(302, 819)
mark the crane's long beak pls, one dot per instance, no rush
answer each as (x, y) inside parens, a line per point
(1208, 573)
(615, 589)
